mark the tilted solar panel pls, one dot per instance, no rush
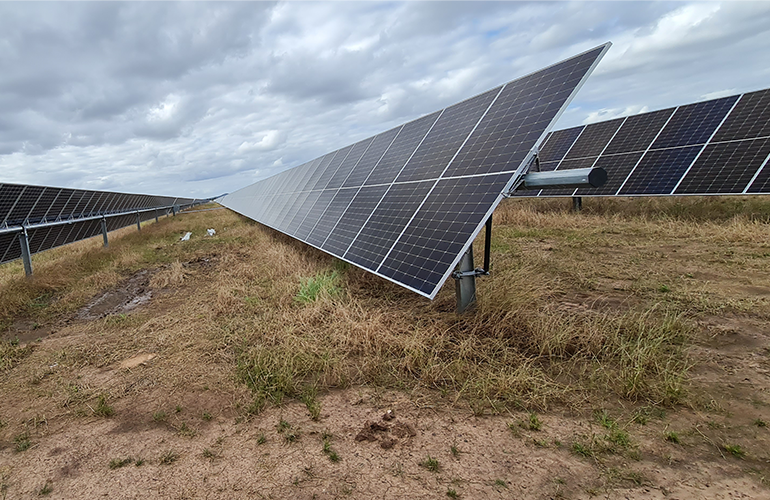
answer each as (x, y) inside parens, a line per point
(33, 206)
(406, 203)
(715, 147)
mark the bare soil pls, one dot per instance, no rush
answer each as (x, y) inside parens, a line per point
(179, 414)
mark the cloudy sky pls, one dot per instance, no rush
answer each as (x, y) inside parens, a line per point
(198, 99)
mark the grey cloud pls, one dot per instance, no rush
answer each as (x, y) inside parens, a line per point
(203, 98)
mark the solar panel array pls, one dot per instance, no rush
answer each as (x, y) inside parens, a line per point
(34, 205)
(715, 147)
(407, 203)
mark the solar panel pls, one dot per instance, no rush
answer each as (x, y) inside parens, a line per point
(31, 206)
(406, 204)
(715, 147)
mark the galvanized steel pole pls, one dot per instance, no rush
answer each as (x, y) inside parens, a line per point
(26, 256)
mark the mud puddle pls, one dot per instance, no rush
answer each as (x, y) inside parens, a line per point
(125, 297)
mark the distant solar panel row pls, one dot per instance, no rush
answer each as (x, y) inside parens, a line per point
(34, 205)
(721, 146)
(405, 204)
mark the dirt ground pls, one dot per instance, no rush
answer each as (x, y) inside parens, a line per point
(187, 435)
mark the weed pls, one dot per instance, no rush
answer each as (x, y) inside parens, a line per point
(290, 434)
(206, 416)
(139, 462)
(159, 416)
(605, 420)
(169, 457)
(760, 423)
(664, 289)
(715, 425)
(327, 447)
(178, 409)
(455, 451)
(312, 404)
(534, 423)
(618, 437)
(102, 408)
(582, 449)
(430, 463)
(187, 431)
(500, 483)
(22, 442)
(321, 285)
(672, 437)
(452, 493)
(735, 450)
(117, 463)
(207, 453)
(261, 439)
(46, 489)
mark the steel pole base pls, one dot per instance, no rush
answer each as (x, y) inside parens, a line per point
(465, 287)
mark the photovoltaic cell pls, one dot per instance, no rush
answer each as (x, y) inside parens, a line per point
(659, 171)
(558, 144)
(638, 131)
(347, 165)
(386, 223)
(333, 212)
(694, 123)
(469, 151)
(446, 137)
(438, 232)
(353, 219)
(594, 139)
(762, 182)
(370, 158)
(725, 167)
(402, 148)
(524, 109)
(750, 118)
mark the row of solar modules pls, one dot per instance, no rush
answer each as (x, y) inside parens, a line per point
(45, 208)
(24, 204)
(405, 203)
(716, 147)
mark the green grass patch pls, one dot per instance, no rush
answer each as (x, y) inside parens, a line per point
(324, 284)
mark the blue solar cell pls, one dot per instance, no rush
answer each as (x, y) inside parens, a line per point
(558, 144)
(659, 171)
(694, 123)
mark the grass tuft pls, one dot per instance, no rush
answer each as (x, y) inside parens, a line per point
(430, 463)
(322, 285)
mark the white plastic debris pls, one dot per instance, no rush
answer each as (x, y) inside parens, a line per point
(186, 236)
(211, 232)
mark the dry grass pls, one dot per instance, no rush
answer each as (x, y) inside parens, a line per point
(288, 321)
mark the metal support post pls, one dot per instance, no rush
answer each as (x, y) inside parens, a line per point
(173, 210)
(465, 285)
(156, 215)
(26, 256)
(577, 203)
(138, 222)
(104, 233)
(487, 244)
(465, 275)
